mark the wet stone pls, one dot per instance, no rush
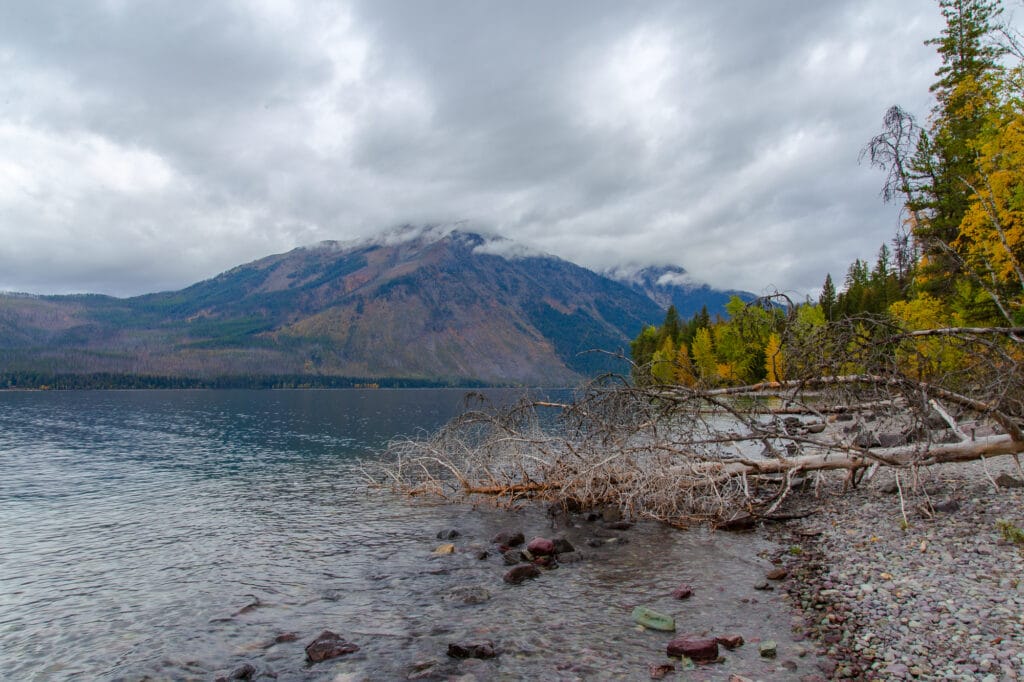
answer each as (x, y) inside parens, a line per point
(730, 641)
(684, 591)
(658, 672)
(618, 525)
(541, 547)
(699, 649)
(468, 595)
(328, 645)
(511, 557)
(509, 538)
(246, 671)
(448, 534)
(563, 546)
(483, 648)
(520, 573)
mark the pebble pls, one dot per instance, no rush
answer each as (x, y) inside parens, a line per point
(939, 599)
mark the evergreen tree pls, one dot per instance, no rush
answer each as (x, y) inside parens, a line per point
(827, 300)
(944, 161)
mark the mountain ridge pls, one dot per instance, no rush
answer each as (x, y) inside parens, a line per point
(427, 305)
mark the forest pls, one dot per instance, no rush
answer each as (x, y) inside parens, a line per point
(957, 261)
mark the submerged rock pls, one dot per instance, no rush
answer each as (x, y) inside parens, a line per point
(468, 594)
(700, 649)
(509, 538)
(511, 557)
(563, 546)
(541, 547)
(618, 525)
(653, 620)
(658, 672)
(684, 591)
(448, 534)
(521, 573)
(483, 648)
(730, 641)
(447, 548)
(328, 645)
(246, 671)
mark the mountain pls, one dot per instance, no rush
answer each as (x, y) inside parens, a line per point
(424, 305)
(671, 285)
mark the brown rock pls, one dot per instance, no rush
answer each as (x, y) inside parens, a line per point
(285, 637)
(776, 574)
(684, 591)
(1007, 481)
(700, 649)
(618, 525)
(730, 641)
(658, 672)
(328, 645)
(483, 648)
(521, 573)
(509, 538)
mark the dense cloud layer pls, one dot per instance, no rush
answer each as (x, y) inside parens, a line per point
(144, 146)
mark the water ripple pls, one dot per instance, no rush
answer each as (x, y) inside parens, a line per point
(171, 535)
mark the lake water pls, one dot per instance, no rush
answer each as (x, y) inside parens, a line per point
(177, 534)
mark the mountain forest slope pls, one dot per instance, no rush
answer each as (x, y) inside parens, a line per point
(440, 308)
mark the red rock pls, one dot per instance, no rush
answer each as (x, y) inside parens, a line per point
(700, 649)
(776, 574)
(328, 645)
(730, 641)
(682, 592)
(541, 547)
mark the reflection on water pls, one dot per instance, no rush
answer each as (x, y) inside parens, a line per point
(175, 535)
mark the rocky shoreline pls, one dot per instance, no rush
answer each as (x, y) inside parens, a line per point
(921, 581)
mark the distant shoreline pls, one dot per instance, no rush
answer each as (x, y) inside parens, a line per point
(31, 381)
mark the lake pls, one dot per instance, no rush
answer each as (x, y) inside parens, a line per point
(181, 534)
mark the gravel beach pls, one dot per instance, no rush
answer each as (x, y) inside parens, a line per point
(930, 591)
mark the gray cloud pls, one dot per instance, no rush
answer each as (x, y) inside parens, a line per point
(144, 146)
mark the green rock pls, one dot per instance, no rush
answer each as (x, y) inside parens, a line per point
(654, 620)
(768, 649)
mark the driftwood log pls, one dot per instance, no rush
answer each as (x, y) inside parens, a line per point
(693, 454)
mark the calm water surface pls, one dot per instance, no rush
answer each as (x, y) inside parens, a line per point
(137, 527)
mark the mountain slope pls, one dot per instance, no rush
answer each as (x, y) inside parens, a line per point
(436, 306)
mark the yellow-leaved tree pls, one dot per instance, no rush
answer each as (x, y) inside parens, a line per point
(992, 231)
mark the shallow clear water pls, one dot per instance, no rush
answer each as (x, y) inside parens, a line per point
(135, 527)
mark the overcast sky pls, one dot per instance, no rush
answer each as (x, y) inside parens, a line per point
(148, 145)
